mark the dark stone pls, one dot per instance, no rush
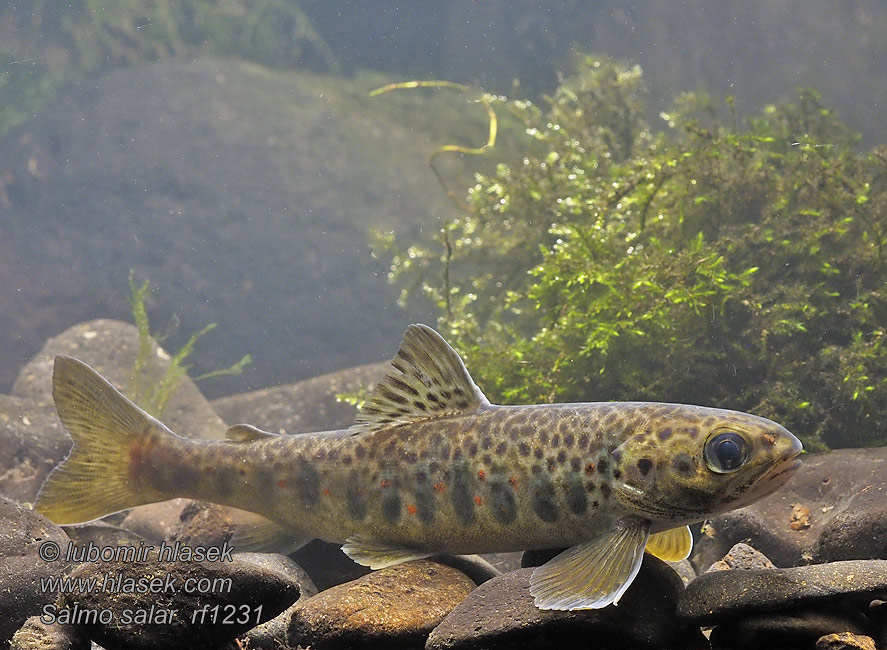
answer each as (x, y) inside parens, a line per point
(474, 566)
(32, 442)
(722, 596)
(253, 596)
(36, 635)
(327, 564)
(500, 614)
(784, 630)
(272, 634)
(22, 534)
(391, 608)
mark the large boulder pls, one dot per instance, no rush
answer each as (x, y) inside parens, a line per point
(244, 196)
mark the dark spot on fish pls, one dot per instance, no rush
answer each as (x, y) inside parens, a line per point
(594, 504)
(402, 385)
(535, 469)
(431, 397)
(425, 501)
(487, 459)
(457, 454)
(561, 457)
(693, 432)
(224, 483)
(583, 440)
(502, 502)
(568, 440)
(537, 452)
(359, 451)
(602, 465)
(319, 455)
(683, 464)
(472, 450)
(391, 506)
(665, 434)
(575, 463)
(544, 503)
(543, 438)
(617, 474)
(555, 440)
(447, 395)
(419, 404)
(605, 490)
(500, 448)
(461, 494)
(524, 449)
(577, 500)
(644, 466)
(445, 453)
(332, 455)
(411, 456)
(552, 464)
(424, 454)
(308, 483)
(356, 498)
(590, 486)
(487, 442)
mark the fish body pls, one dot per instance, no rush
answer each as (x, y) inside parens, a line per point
(432, 467)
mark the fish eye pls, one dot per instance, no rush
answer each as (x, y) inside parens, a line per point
(726, 452)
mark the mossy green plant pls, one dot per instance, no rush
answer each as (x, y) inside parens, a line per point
(709, 261)
(153, 394)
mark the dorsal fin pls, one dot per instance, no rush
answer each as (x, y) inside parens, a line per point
(427, 380)
(247, 433)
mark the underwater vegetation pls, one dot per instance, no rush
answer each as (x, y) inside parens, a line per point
(153, 392)
(710, 262)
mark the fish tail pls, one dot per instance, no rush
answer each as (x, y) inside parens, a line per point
(108, 432)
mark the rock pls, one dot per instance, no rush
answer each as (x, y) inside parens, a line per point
(831, 509)
(157, 521)
(304, 406)
(23, 533)
(744, 557)
(327, 565)
(722, 596)
(224, 600)
(474, 566)
(36, 635)
(845, 641)
(110, 347)
(272, 634)
(393, 608)
(785, 630)
(102, 534)
(684, 568)
(32, 442)
(196, 175)
(500, 614)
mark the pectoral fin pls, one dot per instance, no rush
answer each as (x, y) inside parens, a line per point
(378, 555)
(671, 545)
(593, 574)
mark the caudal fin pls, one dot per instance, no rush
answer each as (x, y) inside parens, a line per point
(94, 481)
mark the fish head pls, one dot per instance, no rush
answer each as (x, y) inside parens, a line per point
(698, 462)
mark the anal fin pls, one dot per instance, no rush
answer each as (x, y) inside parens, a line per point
(593, 574)
(671, 545)
(378, 555)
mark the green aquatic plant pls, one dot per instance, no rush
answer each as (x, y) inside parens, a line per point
(153, 393)
(712, 262)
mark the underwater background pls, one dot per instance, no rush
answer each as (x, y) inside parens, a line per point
(664, 214)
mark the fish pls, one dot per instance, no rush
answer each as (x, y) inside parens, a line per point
(431, 466)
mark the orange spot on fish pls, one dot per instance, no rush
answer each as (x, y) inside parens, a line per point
(325, 492)
(589, 469)
(411, 509)
(512, 481)
(481, 476)
(385, 483)
(281, 483)
(439, 487)
(770, 438)
(479, 500)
